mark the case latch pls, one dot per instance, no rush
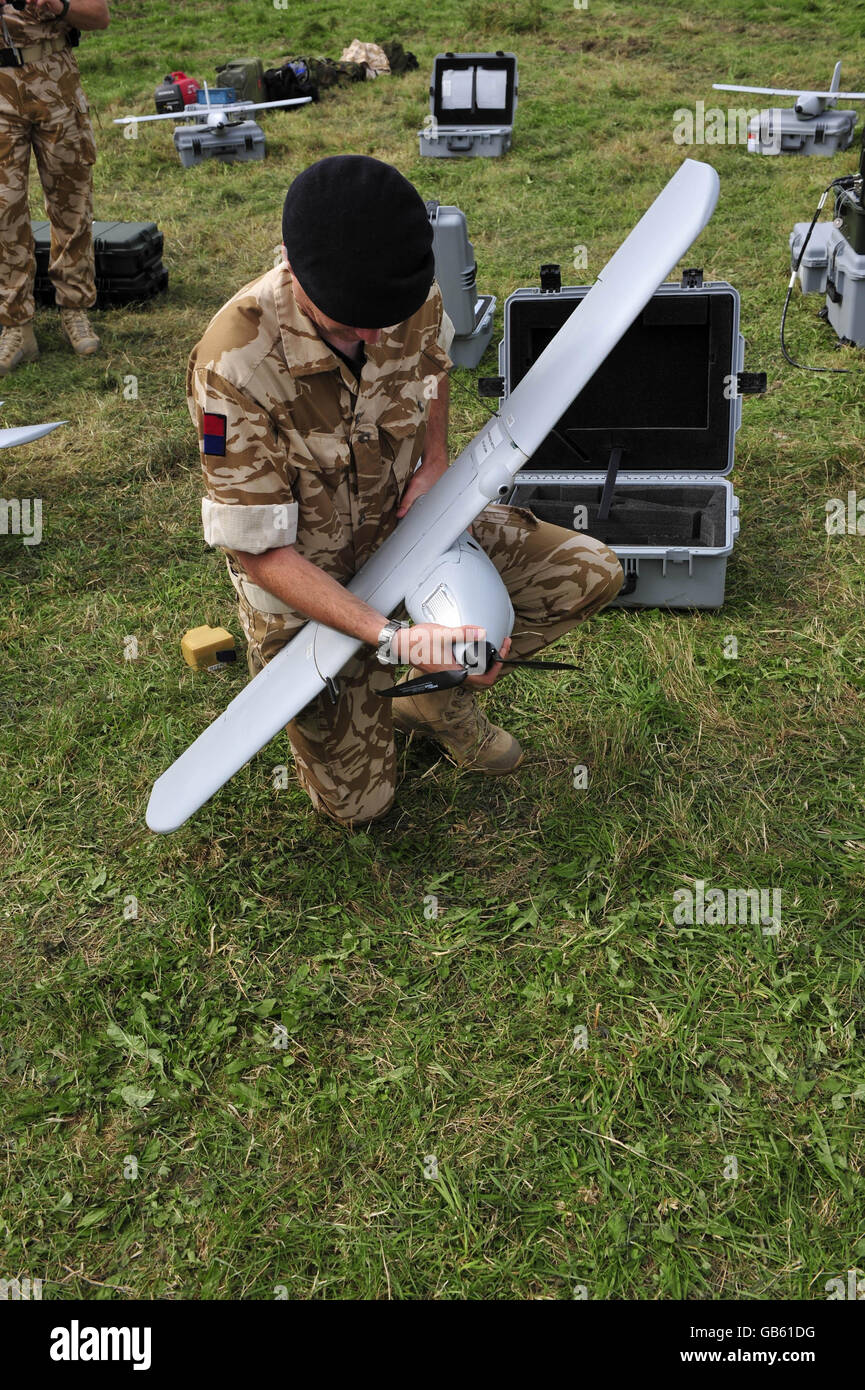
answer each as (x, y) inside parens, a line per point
(491, 386)
(692, 278)
(750, 383)
(551, 278)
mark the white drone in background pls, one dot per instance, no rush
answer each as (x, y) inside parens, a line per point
(26, 433)
(215, 115)
(799, 129)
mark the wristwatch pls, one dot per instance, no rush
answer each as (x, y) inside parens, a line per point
(385, 653)
(64, 12)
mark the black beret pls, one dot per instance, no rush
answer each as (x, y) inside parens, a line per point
(359, 240)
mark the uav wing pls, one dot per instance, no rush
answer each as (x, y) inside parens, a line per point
(26, 433)
(482, 472)
(200, 113)
(788, 92)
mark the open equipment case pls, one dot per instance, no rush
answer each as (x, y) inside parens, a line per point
(640, 459)
(473, 97)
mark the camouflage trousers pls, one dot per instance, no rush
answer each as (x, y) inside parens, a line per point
(43, 109)
(344, 753)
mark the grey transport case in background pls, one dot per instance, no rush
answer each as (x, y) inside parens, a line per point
(845, 291)
(473, 97)
(830, 266)
(240, 140)
(640, 459)
(815, 262)
(779, 130)
(456, 272)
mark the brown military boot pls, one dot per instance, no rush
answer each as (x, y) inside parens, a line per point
(454, 719)
(17, 344)
(79, 331)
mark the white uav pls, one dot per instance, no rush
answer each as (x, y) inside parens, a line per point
(483, 472)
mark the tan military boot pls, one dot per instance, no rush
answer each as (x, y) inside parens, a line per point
(79, 331)
(454, 719)
(17, 344)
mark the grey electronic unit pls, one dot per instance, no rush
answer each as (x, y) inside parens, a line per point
(810, 126)
(456, 272)
(473, 98)
(641, 458)
(829, 258)
(833, 268)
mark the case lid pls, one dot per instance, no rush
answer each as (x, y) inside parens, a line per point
(474, 89)
(659, 396)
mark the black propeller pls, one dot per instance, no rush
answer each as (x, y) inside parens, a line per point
(446, 680)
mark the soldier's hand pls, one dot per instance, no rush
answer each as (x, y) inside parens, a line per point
(430, 646)
(419, 483)
(496, 670)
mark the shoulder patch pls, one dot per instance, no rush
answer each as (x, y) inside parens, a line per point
(213, 434)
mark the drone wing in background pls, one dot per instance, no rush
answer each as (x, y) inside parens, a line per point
(202, 111)
(787, 92)
(24, 434)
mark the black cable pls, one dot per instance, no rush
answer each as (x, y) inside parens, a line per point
(846, 182)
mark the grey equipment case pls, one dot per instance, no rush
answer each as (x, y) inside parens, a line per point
(473, 98)
(456, 272)
(232, 143)
(664, 409)
(830, 266)
(779, 130)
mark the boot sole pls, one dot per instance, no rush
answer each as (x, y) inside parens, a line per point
(82, 351)
(19, 361)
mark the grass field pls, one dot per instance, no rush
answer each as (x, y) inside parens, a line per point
(286, 1072)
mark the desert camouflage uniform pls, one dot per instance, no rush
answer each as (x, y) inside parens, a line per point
(43, 108)
(307, 454)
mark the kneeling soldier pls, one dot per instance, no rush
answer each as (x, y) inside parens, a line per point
(317, 435)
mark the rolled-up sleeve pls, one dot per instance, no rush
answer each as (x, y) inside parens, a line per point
(250, 503)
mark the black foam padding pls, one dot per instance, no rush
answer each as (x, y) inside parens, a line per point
(691, 516)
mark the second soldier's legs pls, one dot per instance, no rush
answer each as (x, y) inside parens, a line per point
(17, 260)
(65, 153)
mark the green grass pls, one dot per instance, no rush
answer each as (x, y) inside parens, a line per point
(281, 1037)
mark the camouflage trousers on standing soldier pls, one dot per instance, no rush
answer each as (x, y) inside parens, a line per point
(344, 753)
(43, 108)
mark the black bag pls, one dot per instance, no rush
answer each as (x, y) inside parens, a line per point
(399, 60)
(290, 81)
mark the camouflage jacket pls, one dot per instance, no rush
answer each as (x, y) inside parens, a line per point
(24, 30)
(297, 450)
